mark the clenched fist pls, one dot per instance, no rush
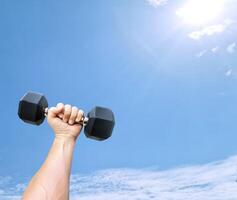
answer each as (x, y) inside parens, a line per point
(62, 120)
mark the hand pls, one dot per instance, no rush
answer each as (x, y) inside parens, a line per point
(62, 120)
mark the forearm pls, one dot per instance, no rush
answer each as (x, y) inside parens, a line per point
(52, 179)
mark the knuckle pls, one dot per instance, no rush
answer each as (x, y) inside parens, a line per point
(60, 104)
(74, 108)
(80, 112)
(68, 106)
(67, 109)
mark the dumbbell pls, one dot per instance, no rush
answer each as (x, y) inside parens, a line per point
(98, 124)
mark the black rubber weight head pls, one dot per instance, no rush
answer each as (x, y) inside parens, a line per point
(101, 123)
(31, 108)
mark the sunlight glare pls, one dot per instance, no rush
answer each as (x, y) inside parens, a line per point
(199, 12)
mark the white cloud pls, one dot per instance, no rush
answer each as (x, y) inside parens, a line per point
(210, 30)
(215, 49)
(201, 53)
(231, 48)
(213, 181)
(157, 3)
(228, 72)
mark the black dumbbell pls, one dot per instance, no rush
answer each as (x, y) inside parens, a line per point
(98, 124)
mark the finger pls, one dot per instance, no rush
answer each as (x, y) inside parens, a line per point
(80, 114)
(60, 106)
(52, 112)
(67, 112)
(73, 115)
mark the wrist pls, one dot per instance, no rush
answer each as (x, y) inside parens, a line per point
(65, 138)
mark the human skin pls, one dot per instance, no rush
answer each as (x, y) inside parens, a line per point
(51, 182)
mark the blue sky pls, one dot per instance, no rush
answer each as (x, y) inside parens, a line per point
(171, 85)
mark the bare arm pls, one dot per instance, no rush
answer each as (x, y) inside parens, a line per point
(52, 179)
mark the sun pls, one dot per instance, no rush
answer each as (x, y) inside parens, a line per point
(200, 12)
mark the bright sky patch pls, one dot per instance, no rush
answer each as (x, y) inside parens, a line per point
(200, 12)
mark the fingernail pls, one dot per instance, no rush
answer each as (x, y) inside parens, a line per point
(70, 122)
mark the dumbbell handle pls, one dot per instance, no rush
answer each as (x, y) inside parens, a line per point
(84, 120)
